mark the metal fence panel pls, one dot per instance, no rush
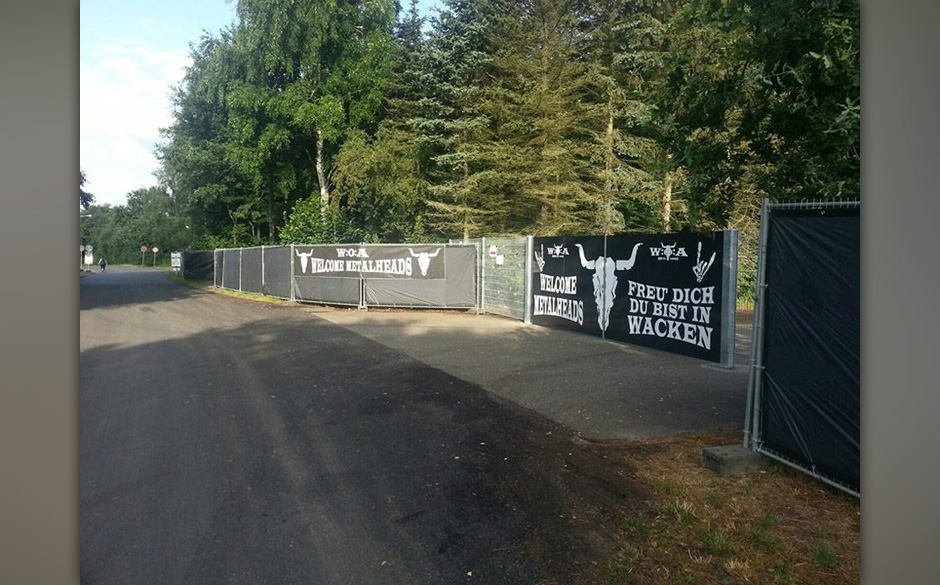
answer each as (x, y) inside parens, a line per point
(219, 260)
(332, 290)
(198, 264)
(391, 261)
(804, 393)
(277, 279)
(672, 297)
(564, 293)
(251, 274)
(664, 291)
(729, 312)
(477, 244)
(504, 276)
(456, 290)
(231, 269)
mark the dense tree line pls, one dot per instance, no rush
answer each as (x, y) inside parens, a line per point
(151, 217)
(343, 120)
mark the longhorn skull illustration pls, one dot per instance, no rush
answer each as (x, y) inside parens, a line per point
(605, 281)
(424, 259)
(304, 257)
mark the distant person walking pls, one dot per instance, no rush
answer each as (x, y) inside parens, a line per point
(103, 263)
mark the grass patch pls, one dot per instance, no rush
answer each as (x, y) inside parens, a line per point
(716, 543)
(209, 285)
(824, 557)
(715, 499)
(782, 575)
(772, 526)
(681, 510)
(764, 541)
(178, 278)
(768, 520)
(234, 293)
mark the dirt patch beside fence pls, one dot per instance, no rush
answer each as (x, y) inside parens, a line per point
(687, 524)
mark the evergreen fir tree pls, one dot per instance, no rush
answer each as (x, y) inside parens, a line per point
(450, 122)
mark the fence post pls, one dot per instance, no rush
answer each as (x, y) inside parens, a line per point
(482, 256)
(730, 300)
(293, 297)
(603, 308)
(239, 270)
(527, 283)
(262, 269)
(362, 294)
(752, 408)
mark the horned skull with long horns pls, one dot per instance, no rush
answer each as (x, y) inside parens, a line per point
(424, 259)
(605, 281)
(304, 258)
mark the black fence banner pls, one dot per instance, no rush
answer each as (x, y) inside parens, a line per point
(422, 262)
(662, 291)
(563, 291)
(198, 264)
(276, 273)
(810, 397)
(671, 297)
(250, 276)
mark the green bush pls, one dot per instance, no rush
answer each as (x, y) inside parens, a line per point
(305, 225)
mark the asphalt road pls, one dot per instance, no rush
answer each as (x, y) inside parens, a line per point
(603, 390)
(229, 441)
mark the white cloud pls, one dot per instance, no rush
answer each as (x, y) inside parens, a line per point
(124, 101)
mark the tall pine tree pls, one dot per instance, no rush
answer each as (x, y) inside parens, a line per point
(451, 124)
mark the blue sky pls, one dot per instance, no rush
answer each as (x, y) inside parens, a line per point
(131, 53)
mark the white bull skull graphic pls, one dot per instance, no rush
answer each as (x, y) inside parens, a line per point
(424, 259)
(605, 281)
(304, 257)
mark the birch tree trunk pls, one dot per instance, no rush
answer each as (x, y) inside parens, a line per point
(466, 213)
(667, 201)
(321, 177)
(609, 168)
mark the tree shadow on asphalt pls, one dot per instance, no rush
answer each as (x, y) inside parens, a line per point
(606, 390)
(351, 455)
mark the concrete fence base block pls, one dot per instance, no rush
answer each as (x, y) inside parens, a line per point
(730, 460)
